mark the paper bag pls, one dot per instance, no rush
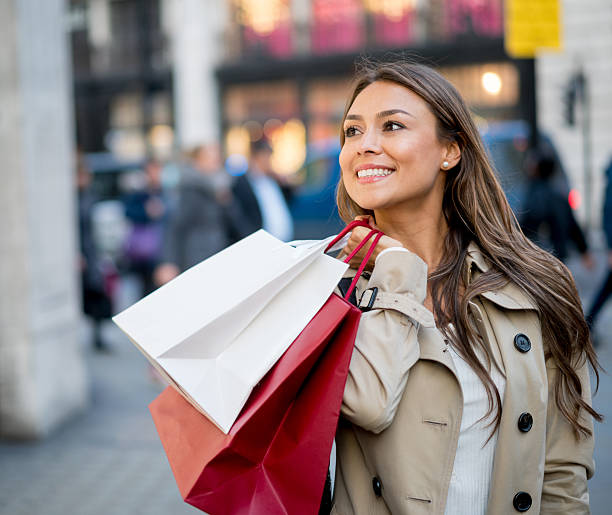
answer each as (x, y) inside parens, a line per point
(216, 329)
(275, 458)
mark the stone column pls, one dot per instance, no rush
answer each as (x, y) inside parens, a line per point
(42, 373)
(197, 48)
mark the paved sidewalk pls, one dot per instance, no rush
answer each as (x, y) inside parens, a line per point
(109, 459)
(600, 487)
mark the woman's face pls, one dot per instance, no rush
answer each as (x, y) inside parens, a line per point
(392, 156)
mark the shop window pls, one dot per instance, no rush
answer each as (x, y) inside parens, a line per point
(268, 110)
(394, 21)
(325, 102)
(265, 26)
(473, 18)
(337, 26)
(491, 89)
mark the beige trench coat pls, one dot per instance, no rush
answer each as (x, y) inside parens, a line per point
(402, 405)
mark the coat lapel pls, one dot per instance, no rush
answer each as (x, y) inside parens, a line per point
(434, 348)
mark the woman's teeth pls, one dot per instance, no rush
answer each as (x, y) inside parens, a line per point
(374, 172)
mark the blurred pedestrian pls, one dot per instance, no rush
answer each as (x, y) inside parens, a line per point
(96, 300)
(547, 218)
(205, 217)
(606, 288)
(263, 195)
(146, 209)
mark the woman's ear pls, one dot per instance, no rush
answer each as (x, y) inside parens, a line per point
(452, 157)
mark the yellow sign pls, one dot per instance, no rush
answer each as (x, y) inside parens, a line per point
(531, 25)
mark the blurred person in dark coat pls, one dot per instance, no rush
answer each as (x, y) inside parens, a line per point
(146, 209)
(606, 288)
(547, 218)
(264, 196)
(97, 303)
(205, 220)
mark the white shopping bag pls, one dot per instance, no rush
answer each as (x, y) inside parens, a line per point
(216, 330)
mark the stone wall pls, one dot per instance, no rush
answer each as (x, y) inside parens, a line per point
(42, 373)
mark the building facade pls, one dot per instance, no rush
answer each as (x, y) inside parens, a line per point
(156, 75)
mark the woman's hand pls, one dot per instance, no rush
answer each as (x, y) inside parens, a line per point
(357, 236)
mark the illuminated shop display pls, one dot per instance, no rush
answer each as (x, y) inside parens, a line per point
(337, 26)
(266, 26)
(300, 113)
(294, 123)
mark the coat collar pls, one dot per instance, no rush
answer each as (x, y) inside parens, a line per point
(509, 296)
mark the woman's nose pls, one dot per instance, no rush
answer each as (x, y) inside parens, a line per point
(370, 142)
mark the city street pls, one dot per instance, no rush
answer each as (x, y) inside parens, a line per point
(110, 461)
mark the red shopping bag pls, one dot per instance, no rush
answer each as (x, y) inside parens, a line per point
(275, 458)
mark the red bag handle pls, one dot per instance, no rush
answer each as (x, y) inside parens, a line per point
(365, 260)
(348, 258)
(373, 232)
(346, 230)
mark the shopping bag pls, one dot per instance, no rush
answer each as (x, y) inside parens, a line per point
(216, 329)
(144, 242)
(275, 458)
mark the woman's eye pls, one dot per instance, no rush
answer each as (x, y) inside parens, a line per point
(392, 126)
(350, 131)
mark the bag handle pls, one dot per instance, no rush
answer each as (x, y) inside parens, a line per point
(348, 258)
(345, 231)
(365, 260)
(373, 232)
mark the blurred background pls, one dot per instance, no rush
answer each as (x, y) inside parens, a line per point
(138, 137)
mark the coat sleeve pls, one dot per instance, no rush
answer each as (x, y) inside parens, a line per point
(386, 345)
(569, 462)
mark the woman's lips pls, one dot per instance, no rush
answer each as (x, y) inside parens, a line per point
(370, 179)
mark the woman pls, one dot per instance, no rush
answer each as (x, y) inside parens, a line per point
(468, 390)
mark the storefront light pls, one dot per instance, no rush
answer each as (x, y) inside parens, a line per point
(262, 16)
(491, 82)
(237, 141)
(289, 147)
(393, 9)
(161, 138)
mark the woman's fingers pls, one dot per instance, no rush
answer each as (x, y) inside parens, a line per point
(369, 219)
(357, 236)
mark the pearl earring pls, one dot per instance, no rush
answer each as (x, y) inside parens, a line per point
(445, 164)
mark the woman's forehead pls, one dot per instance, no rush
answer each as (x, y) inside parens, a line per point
(387, 96)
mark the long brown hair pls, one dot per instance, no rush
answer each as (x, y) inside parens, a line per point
(476, 209)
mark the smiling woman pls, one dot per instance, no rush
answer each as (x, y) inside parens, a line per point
(392, 157)
(468, 390)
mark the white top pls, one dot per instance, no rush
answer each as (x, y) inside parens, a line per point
(275, 214)
(468, 491)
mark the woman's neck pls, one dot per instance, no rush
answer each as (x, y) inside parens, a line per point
(421, 231)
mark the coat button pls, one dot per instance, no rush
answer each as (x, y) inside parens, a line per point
(525, 422)
(377, 486)
(522, 342)
(522, 501)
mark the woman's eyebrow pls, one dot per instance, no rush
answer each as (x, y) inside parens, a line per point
(382, 114)
(390, 112)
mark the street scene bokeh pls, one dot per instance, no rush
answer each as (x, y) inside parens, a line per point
(139, 137)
